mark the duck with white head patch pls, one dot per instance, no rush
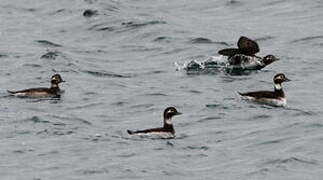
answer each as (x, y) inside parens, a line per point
(53, 91)
(244, 58)
(273, 98)
(167, 131)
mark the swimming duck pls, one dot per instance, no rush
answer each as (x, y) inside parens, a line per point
(167, 131)
(244, 58)
(273, 98)
(41, 92)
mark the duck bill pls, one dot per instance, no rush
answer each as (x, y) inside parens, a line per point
(178, 113)
(277, 59)
(286, 80)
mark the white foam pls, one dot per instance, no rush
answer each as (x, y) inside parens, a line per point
(220, 60)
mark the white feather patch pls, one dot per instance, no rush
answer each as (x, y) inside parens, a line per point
(19, 94)
(34, 94)
(168, 121)
(157, 133)
(278, 86)
(269, 101)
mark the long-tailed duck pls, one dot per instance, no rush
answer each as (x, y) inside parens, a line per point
(41, 92)
(167, 131)
(273, 98)
(244, 58)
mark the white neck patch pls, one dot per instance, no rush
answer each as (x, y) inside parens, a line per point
(54, 85)
(168, 121)
(278, 86)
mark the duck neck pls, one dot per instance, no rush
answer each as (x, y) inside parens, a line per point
(54, 86)
(168, 125)
(279, 89)
(168, 122)
(262, 62)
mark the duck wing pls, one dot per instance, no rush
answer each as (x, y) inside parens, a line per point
(146, 131)
(229, 52)
(30, 90)
(248, 46)
(259, 94)
(33, 92)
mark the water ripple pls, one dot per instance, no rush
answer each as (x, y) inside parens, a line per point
(163, 39)
(315, 125)
(71, 119)
(90, 172)
(125, 26)
(155, 94)
(291, 160)
(90, 13)
(210, 118)
(262, 116)
(264, 38)
(85, 106)
(119, 103)
(299, 112)
(33, 119)
(132, 24)
(36, 119)
(107, 28)
(204, 148)
(50, 55)
(21, 151)
(202, 40)
(233, 2)
(33, 65)
(3, 55)
(48, 43)
(274, 141)
(107, 74)
(309, 38)
(59, 132)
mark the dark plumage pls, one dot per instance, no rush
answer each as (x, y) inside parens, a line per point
(274, 98)
(244, 58)
(41, 92)
(166, 131)
(166, 128)
(246, 46)
(264, 94)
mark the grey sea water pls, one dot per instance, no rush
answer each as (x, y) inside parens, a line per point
(118, 58)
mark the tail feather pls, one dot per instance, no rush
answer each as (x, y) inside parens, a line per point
(11, 92)
(130, 132)
(242, 94)
(137, 132)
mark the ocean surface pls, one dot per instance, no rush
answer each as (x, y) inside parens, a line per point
(119, 58)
